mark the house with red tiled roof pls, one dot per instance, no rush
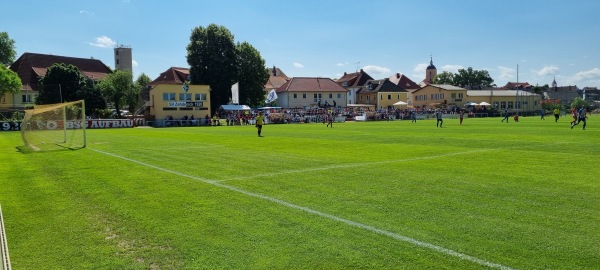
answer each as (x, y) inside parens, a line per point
(352, 82)
(276, 79)
(517, 85)
(31, 67)
(303, 92)
(170, 94)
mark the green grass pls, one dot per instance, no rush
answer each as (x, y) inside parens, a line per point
(521, 195)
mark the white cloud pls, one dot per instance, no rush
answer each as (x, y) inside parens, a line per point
(298, 65)
(340, 64)
(134, 63)
(376, 69)
(86, 13)
(547, 70)
(592, 74)
(420, 68)
(103, 42)
(506, 73)
(451, 68)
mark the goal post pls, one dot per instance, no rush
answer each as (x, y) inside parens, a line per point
(55, 126)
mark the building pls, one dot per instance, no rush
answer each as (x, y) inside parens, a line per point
(406, 84)
(381, 93)
(276, 79)
(31, 67)
(170, 94)
(563, 95)
(123, 58)
(430, 73)
(304, 92)
(435, 95)
(514, 100)
(352, 82)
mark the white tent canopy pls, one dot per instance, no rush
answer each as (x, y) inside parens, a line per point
(400, 103)
(233, 107)
(484, 104)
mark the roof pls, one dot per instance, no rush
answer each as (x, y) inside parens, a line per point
(310, 84)
(356, 79)
(31, 66)
(173, 75)
(233, 107)
(403, 81)
(499, 93)
(517, 85)
(276, 78)
(431, 66)
(446, 87)
(375, 86)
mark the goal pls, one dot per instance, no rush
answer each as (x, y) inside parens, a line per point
(55, 126)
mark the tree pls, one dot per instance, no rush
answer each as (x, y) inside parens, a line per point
(578, 102)
(132, 98)
(211, 55)
(7, 49)
(445, 77)
(94, 101)
(9, 81)
(61, 84)
(116, 87)
(252, 74)
(469, 78)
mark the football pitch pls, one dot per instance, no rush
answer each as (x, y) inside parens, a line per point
(360, 195)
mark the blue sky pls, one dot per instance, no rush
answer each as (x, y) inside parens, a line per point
(543, 38)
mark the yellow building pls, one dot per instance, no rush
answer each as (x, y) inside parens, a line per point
(434, 95)
(513, 100)
(171, 97)
(381, 93)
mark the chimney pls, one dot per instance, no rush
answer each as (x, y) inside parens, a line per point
(345, 73)
(397, 75)
(361, 71)
(274, 71)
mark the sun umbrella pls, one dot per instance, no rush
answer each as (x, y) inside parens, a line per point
(400, 103)
(484, 104)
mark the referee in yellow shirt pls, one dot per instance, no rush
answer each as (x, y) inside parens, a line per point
(260, 119)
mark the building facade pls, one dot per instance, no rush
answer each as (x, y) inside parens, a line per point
(306, 92)
(381, 93)
(171, 96)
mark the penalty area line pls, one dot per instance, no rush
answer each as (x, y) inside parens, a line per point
(322, 214)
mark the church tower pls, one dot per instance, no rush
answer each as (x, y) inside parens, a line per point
(123, 59)
(430, 72)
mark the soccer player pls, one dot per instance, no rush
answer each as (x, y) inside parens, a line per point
(580, 117)
(542, 113)
(505, 116)
(461, 115)
(260, 119)
(438, 116)
(556, 114)
(329, 120)
(413, 116)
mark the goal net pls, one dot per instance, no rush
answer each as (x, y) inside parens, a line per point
(54, 126)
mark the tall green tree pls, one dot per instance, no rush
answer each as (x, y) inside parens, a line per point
(445, 77)
(7, 49)
(9, 81)
(211, 55)
(116, 87)
(252, 74)
(470, 78)
(132, 98)
(94, 100)
(61, 84)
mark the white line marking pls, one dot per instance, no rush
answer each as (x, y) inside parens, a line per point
(325, 215)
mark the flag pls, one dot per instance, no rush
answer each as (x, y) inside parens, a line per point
(235, 93)
(272, 96)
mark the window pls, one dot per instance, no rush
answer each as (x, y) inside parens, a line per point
(200, 97)
(389, 97)
(304, 96)
(460, 95)
(339, 96)
(344, 84)
(168, 96)
(381, 97)
(117, 61)
(185, 96)
(26, 98)
(330, 95)
(503, 105)
(453, 95)
(295, 95)
(510, 105)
